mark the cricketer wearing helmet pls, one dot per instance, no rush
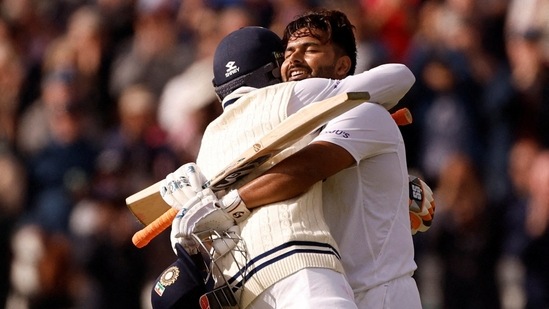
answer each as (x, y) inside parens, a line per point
(294, 261)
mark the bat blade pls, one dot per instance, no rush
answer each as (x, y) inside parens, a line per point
(148, 206)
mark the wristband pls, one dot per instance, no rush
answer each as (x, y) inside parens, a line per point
(233, 205)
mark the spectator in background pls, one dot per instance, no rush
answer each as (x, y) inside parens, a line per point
(462, 129)
(537, 228)
(111, 272)
(59, 173)
(118, 17)
(508, 86)
(188, 102)
(285, 11)
(527, 47)
(13, 180)
(42, 271)
(153, 55)
(32, 28)
(526, 15)
(476, 31)
(447, 124)
(444, 73)
(58, 66)
(464, 238)
(393, 23)
(12, 192)
(521, 158)
(91, 60)
(134, 154)
(11, 79)
(530, 77)
(528, 218)
(61, 169)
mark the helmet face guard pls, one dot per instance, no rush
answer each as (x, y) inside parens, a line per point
(199, 280)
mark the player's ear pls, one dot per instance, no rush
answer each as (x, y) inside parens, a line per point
(343, 65)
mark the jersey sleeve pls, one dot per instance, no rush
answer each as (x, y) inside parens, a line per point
(365, 131)
(387, 84)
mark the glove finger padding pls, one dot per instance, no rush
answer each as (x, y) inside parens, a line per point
(421, 205)
(192, 172)
(188, 243)
(183, 184)
(179, 233)
(203, 214)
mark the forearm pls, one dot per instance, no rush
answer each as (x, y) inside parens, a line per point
(283, 181)
(296, 174)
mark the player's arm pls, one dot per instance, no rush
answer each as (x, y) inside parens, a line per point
(322, 158)
(296, 174)
(387, 84)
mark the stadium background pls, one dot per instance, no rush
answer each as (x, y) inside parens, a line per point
(100, 98)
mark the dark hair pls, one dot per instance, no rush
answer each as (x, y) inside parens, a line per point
(333, 23)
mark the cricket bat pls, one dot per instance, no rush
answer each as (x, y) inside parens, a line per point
(151, 210)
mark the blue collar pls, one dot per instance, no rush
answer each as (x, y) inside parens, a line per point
(229, 102)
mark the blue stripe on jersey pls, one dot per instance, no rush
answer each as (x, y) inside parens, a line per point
(277, 254)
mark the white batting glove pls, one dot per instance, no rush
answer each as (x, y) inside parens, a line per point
(422, 205)
(205, 212)
(182, 185)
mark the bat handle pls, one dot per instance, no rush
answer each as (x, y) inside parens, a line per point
(142, 237)
(402, 117)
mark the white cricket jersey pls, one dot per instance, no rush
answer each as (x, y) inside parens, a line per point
(281, 238)
(366, 206)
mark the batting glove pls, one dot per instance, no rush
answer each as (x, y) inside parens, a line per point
(205, 212)
(182, 185)
(421, 206)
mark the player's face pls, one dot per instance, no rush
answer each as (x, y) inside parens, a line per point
(306, 56)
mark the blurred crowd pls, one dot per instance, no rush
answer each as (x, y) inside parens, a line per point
(101, 98)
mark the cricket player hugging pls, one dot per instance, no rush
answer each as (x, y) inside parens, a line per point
(283, 237)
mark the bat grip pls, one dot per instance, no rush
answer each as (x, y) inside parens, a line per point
(142, 237)
(402, 117)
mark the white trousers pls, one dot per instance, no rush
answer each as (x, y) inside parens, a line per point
(310, 288)
(401, 293)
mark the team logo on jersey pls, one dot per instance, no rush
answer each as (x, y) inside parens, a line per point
(341, 133)
(231, 68)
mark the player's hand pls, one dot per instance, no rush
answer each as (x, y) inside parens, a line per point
(182, 185)
(422, 205)
(205, 212)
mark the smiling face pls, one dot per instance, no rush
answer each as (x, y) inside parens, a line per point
(309, 55)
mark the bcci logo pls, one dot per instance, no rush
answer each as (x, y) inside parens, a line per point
(231, 68)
